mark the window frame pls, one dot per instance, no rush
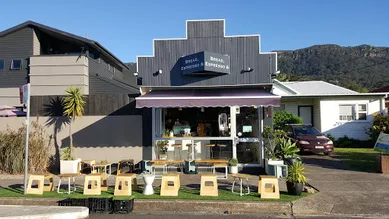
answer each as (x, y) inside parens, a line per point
(355, 112)
(11, 64)
(110, 67)
(2, 60)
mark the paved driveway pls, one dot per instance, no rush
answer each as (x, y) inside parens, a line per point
(343, 191)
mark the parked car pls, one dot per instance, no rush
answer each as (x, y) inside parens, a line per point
(309, 139)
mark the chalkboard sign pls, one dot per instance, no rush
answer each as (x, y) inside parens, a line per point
(205, 63)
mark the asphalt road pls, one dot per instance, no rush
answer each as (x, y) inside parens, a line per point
(200, 216)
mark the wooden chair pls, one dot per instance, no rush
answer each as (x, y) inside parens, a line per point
(208, 190)
(177, 148)
(123, 184)
(170, 190)
(273, 192)
(210, 146)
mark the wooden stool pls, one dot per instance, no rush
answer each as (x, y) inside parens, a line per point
(123, 184)
(208, 190)
(166, 189)
(273, 192)
(210, 146)
(40, 178)
(69, 176)
(95, 181)
(158, 165)
(221, 165)
(177, 147)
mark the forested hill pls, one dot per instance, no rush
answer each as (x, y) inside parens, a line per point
(360, 68)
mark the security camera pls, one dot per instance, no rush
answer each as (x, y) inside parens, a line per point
(277, 72)
(136, 74)
(159, 71)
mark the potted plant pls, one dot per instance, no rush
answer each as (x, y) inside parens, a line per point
(289, 151)
(233, 163)
(74, 107)
(162, 149)
(68, 164)
(272, 147)
(295, 180)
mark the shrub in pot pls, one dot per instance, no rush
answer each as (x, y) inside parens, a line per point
(289, 151)
(233, 163)
(68, 164)
(295, 180)
(273, 150)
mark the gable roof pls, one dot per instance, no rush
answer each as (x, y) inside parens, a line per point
(317, 88)
(93, 44)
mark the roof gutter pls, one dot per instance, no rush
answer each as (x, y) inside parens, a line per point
(385, 95)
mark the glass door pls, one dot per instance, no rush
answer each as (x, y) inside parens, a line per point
(247, 129)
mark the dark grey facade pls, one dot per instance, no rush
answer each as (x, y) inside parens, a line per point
(247, 64)
(33, 39)
(16, 45)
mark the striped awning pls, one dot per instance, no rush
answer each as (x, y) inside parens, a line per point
(208, 97)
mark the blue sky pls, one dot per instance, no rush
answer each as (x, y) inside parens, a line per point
(127, 27)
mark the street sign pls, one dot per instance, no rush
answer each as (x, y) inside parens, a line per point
(23, 93)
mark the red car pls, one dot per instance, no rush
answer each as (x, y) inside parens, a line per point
(309, 139)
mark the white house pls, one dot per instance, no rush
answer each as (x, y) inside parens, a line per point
(330, 108)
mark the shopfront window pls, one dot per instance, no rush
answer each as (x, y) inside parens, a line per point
(196, 122)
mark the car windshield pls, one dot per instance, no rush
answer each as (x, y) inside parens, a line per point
(303, 130)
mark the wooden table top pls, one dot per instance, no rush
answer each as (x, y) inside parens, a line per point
(211, 161)
(167, 161)
(240, 175)
(101, 164)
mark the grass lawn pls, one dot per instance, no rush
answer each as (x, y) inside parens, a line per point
(184, 193)
(362, 159)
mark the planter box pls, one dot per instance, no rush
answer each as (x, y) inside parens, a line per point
(272, 162)
(233, 169)
(123, 206)
(384, 164)
(69, 166)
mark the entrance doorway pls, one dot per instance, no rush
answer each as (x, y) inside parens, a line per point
(306, 113)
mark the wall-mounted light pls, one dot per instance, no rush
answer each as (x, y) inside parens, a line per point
(136, 74)
(273, 75)
(157, 72)
(248, 69)
(180, 109)
(202, 109)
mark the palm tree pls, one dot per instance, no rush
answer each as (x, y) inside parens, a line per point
(74, 107)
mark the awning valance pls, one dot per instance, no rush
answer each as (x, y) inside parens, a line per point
(220, 97)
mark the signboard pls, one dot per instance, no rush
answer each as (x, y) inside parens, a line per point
(23, 93)
(247, 128)
(205, 63)
(382, 142)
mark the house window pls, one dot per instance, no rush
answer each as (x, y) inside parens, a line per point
(110, 67)
(353, 112)
(346, 112)
(16, 64)
(362, 111)
(1, 64)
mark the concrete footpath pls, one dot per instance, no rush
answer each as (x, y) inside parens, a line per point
(42, 212)
(343, 191)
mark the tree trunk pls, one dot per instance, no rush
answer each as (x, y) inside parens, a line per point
(70, 138)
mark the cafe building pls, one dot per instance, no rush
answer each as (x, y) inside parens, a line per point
(209, 94)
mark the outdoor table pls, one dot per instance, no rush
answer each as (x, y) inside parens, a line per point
(104, 166)
(67, 175)
(180, 162)
(240, 177)
(209, 161)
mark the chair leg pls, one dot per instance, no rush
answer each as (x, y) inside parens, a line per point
(59, 184)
